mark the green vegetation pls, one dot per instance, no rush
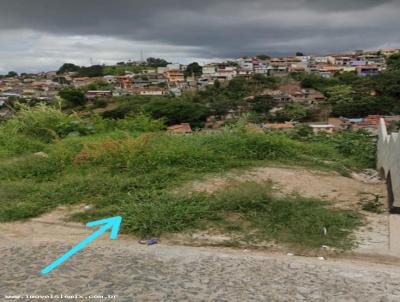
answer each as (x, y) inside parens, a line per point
(193, 69)
(123, 68)
(129, 167)
(156, 62)
(263, 57)
(217, 100)
(73, 97)
(293, 112)
(120, 68)
(172, 110)
(372, 203)
(68, 67)
(250, 212)
(262, 216)
(393, 62)
(358, 144)
(354, 96)
(11, 74)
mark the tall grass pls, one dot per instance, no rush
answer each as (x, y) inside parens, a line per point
(123, 172)
(32, 128)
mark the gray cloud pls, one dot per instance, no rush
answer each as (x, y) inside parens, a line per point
(193, 29)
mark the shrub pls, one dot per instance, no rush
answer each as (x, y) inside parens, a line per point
(372, 203)
(73, 96)
(260, 216)
(292, 219)
(100, 103)
(45, 123)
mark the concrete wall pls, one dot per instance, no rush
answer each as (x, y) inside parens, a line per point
(389, 162)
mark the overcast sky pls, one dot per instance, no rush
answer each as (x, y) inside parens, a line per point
(40, 35)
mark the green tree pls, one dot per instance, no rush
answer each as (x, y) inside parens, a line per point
(68, 67)
(364, 106)
(340, 94)
(193, 69)
(293, 112)
(267, 82)
(262, 104)
(238, 87)
(91, 71)
(263, 57)
(393, 62)
(11, 74)
(176, 111)
(303, 131)
(73, 96)
(156, 62)
(348, 78)
(388, 84)
(317, 82)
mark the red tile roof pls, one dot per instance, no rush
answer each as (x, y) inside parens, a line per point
(180, 128)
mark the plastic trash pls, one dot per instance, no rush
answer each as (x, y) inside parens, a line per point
(149, 241)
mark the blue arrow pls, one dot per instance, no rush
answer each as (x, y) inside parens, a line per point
(112, 223)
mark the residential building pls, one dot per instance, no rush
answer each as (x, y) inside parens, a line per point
(155, 91)
(317, 127)
(180, 128)
(174, 75)
(92, 94)
(368, 70)
(175, 66)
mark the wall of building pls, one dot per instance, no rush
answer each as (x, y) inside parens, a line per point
(388, 162)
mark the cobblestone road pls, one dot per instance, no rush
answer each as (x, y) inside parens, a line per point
(133, 272)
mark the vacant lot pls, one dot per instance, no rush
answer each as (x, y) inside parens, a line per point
(131, 168)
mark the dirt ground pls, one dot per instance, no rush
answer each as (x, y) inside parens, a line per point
(344, 191)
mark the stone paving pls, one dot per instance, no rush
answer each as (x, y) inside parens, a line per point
(131, 272)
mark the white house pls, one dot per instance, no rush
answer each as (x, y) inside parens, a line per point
(175, 66)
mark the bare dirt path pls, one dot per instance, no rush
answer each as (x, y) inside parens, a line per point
(345, 191)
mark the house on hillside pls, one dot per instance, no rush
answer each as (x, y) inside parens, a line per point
(322, 127)
(92, 94)
(209, 70)
(367, 70)
(389, 51)
(278, 70)
(279, 126)
(180, 128)
(174, 75)
(327, 71)
(369, 123)
(83, 81)
(342, 60)
(245, 64)
(153, 90)
(173, 66)
(225, 73)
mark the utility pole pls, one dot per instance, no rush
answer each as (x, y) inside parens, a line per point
(141, 55)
